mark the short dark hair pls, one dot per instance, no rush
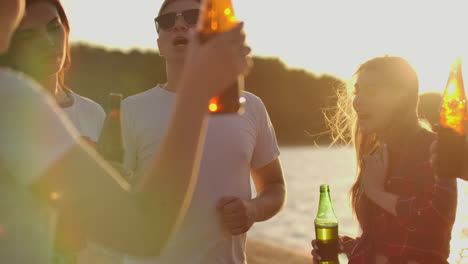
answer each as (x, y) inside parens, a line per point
(167, 2)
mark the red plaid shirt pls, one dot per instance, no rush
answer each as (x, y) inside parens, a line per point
(426, 210)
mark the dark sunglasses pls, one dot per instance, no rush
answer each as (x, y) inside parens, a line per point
(167, 21)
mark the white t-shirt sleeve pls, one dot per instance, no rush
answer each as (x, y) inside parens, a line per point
(34, 133)
(266, 147)
(130, 156)
(94, 119)
(101, 117)
(87, 117)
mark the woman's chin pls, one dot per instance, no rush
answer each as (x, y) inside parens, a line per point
(44, 73)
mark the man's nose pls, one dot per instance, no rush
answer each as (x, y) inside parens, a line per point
(180, 24)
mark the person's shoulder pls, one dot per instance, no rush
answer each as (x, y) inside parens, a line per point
(422, 142)
(252, 100)
(426, 136)
(139, 97)
(14, 82)
(252, 97)
(135, 103)
(253, 103)
(7, 75)
(87, 103)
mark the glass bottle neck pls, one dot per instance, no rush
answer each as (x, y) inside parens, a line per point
(326, 214)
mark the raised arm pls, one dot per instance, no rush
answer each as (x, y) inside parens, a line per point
(137, 222)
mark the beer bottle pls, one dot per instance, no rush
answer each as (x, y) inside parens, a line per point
(453, 108)
(452, 125)
(110, 144)
(326, 228)
(218, 16)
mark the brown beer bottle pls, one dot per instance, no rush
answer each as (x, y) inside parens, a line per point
(218, 16)
(452, 125)
(110, 144)
(326, 228)
(453, 108)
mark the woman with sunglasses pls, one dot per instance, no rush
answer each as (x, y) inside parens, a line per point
(45, 166)
(405, 211)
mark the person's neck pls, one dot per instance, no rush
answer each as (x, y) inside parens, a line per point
(174, 74)
(392, 137)
(50, 84)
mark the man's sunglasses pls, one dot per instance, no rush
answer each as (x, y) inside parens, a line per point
(167, 21)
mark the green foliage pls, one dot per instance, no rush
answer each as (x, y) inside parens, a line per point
(295, 98)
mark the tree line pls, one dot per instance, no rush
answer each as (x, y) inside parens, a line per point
(295, 98)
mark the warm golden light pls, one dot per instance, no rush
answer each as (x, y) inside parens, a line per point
(54, 196)
(214, 25)
(216, 16)
(453, 108)
(213, 107)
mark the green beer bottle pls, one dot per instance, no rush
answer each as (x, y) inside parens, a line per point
(326, 228)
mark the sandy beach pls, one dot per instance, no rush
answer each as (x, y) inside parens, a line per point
(262, 253)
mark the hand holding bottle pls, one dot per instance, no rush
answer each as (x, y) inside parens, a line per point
(315, 250)
(449, 152)
(211, 67)
(448, 158)
(218, 16)
(326, 228)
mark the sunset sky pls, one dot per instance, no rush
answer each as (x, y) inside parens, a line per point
(328, 36)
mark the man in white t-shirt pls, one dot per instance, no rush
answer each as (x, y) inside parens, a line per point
(43, 164)
(236, 146)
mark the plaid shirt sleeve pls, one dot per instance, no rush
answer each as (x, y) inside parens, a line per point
(433, 208)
